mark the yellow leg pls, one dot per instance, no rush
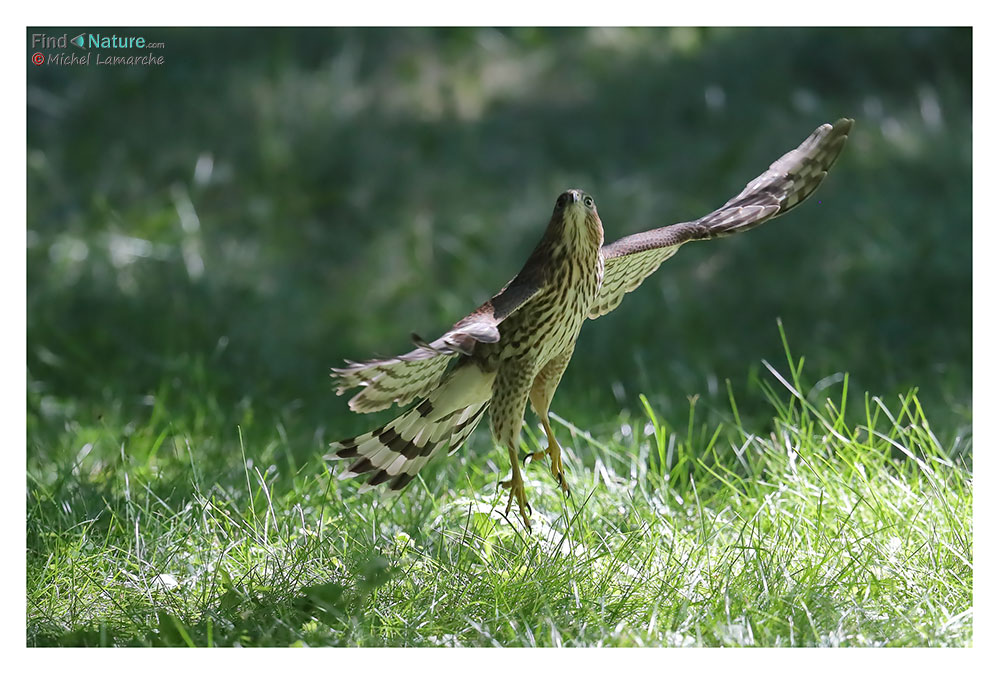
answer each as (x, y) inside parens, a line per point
(542, 391)
(554, 452)
(516, 486)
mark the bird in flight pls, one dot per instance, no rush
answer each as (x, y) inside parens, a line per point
(515, 347)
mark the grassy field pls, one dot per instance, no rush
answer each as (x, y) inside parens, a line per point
(827, 531)
(206, 239)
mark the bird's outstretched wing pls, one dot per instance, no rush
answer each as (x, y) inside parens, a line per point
(415, 374)
(788, 182)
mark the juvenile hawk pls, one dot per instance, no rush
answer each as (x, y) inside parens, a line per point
(515, 347)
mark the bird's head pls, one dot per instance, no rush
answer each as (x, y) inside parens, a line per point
(575, 216)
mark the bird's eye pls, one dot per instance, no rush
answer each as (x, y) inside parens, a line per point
(588, 202)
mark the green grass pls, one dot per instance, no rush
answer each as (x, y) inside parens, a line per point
(823, 531)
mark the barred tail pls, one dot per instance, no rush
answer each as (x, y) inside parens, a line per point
(395, 452)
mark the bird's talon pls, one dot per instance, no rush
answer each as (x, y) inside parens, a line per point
(536, 456)
(516, 487)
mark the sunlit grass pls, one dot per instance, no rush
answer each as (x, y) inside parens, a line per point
(826, 530)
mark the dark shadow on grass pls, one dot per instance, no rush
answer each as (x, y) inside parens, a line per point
(242, 615)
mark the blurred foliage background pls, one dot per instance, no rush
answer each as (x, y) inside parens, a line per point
(206, 238)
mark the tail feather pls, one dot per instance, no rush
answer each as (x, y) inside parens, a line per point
(395, 452)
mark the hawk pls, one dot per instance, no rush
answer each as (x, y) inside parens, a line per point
(515, 347)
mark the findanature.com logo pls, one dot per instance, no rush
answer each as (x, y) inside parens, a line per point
(87, 41)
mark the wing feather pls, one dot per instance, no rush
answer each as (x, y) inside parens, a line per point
(789, 181)
(401, 379)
